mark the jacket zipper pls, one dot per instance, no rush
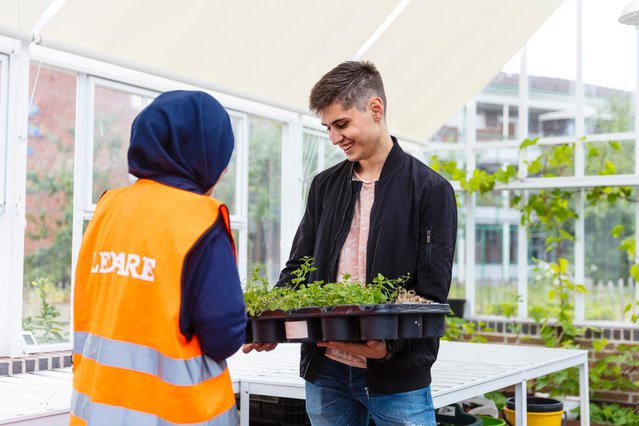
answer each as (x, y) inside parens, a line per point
(428, 247)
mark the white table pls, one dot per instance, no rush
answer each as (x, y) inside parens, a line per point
(462, 371)
(42, 398)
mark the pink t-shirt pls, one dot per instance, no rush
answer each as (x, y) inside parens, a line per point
(352, 258)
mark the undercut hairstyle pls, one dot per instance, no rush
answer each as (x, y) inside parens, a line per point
(351, 83)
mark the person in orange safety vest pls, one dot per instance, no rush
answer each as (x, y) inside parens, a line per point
(158, 304)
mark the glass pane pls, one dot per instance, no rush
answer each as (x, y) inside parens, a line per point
(113, 116)
(49, 205)
(3, 147)
(491, 160)
(236, 240)
(506, 83)
(495, 252)
(489, 121)
(513, 123)
(459, 157)
(551, 61)
(225, 189)
(265, 139)
(607, 277)
(607, 158)
(453, 130)
(318, 154)
(550, 160)
(458, 285)
(609, 67)
(498, 119)
(541, 280)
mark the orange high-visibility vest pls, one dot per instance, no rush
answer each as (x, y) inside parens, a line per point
(132, 365)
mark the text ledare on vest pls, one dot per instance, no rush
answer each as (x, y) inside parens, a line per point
(125, 264)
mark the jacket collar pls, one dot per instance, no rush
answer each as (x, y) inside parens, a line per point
(393, 161)
(391, 164)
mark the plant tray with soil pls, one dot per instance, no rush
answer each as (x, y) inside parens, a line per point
(344, 311)
(388, 321)
(349, 323)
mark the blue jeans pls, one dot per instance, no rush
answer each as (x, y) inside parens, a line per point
(340, 397)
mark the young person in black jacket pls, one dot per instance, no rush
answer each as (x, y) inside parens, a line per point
(379, 211)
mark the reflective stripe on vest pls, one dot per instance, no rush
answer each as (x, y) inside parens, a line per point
(113, 353)
(95, 414)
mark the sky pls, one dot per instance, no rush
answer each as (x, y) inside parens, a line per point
(609, 48)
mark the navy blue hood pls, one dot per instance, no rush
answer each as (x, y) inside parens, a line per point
(183, 139)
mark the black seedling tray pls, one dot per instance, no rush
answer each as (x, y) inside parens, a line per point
(350, 323)
(267, 328)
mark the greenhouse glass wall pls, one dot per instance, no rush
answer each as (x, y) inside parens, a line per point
(568, 93)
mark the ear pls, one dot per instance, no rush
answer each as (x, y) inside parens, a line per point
(376, 107)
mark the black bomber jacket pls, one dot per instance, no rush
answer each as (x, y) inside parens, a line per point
(413, 228)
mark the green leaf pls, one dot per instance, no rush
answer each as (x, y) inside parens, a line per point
(617, 231)
(609, 168)
(566, 235)
(534, 167)
(581, 288)
(528, 142)
(504, 176)
(435, 164)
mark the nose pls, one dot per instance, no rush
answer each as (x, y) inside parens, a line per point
(335, 136)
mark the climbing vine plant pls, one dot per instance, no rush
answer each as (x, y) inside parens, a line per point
(553, 211)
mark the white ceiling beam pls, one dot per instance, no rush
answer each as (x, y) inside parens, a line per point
(381, 29)
(49, 13)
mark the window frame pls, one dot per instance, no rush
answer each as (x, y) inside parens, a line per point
(4, 107)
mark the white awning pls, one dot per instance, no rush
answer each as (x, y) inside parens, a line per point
(434, 56)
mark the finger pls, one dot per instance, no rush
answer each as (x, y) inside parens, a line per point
(248, 347)
(335, 345)
(266, 347)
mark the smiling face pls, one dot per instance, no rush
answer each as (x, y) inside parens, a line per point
(358, 132)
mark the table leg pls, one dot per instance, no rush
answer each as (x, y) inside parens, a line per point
(584, 414)
(521, 412)
(245, 397)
